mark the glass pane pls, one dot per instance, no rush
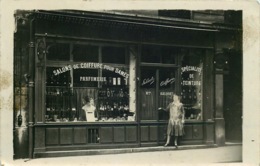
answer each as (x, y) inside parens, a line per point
(151, 54)
(113, 96)
(113, 55)
(59, 103)
(148, 77)
(192, 74)
(169, 55)
(148, 94)
(86, 78)
(114, 79)
(167, 79)
(90, 113)
(58, 76)
(85, 53)
(159, 54)
(166, 90)
(58, 51)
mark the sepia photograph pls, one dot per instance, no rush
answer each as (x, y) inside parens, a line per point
(127, 86)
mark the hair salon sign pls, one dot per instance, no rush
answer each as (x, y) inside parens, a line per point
(90, 65)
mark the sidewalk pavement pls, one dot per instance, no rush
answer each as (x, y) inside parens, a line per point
(225, 154)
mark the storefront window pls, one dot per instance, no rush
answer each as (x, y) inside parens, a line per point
(86, 78)
(92, 86)
(192, 83)
(113, 55)
(85, 53)
(167, 81)
(58, 51)
(159, 54)
(148, 94)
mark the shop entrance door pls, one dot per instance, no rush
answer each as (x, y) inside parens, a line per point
(157, 86)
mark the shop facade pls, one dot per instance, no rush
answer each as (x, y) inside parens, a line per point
(130, 66)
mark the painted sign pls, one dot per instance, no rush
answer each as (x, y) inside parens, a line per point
(167, 81)
(90, 65)
(95, 79)
(188, 72)
(166, 93)
(191, 68)
(148, 81)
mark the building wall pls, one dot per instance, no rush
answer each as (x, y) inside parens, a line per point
(150, 35)
(20, 129)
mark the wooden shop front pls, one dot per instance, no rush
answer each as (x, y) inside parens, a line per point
(130, 66)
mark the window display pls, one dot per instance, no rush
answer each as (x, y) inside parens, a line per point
(191, 84)
(92, 91)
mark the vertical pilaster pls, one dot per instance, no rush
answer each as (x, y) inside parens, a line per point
(31, 88)
(208, 97)
(219, 91)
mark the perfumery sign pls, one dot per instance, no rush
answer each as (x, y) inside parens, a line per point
(92, 79)
(90, 65)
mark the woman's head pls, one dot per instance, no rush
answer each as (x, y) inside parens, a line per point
(176, 97)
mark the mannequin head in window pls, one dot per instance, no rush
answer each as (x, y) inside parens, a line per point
(88, 101)
(91, 101)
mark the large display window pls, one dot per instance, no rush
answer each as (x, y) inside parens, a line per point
(89, 82)
(192, 83)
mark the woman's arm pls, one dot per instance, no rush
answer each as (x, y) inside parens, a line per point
(166, 109)
(183, 113)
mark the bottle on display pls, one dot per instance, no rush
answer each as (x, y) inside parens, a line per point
(121, 93)
(114, 81)
(115, 110)
(112, 93)
(52, 81)
(120, 110)
(126, 110)
(48, 113)
(110, 81)
(108, 93)
(118, 81)
(107, 110)
(64, 80)
(126, 81)
(58, 80)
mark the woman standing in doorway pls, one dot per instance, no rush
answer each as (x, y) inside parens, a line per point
(176, 120)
